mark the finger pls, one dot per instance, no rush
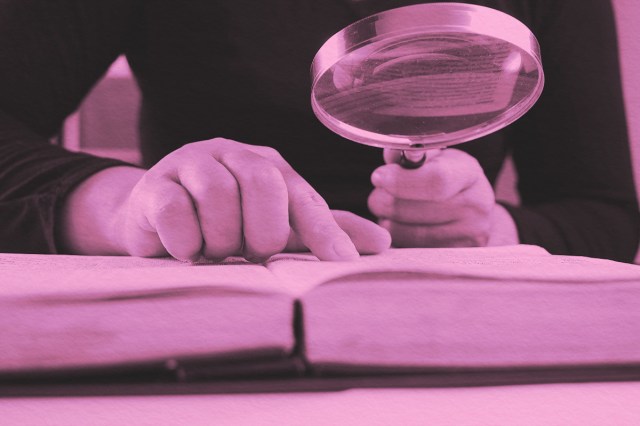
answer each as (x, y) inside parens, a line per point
(368, 237)
(454, 234)
(137, 235)
(264, 201)
(170, 212)
(309, 215)
(313, 222)
(216, 198)
(294, 243)
(385, 206)
(441, 178)
(469, 202)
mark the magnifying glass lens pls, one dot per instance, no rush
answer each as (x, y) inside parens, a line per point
(427, 83)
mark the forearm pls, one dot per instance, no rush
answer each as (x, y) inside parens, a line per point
(581, 227)
(88, 219)
(34, 179)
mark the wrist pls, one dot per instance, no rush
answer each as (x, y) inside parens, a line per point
(87, 222)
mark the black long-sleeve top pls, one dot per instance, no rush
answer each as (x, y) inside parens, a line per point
(240, 69)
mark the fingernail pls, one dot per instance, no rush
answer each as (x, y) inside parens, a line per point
(345, 249)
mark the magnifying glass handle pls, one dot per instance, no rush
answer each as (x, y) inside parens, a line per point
(412, 159)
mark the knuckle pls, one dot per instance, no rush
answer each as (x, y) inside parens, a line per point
(209, 189)
(189, 146)
(230, 156)
(188, 150)
(320, 230)
(471, 167)
(154, 175)
(200, 190)
(223, 143)
(225, 186)
(265, 175)
(184, 156)
(268, 152)
(311, 199)
(473, 164)
(171, 205)
(221, 140)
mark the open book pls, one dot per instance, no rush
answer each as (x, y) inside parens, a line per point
(404, 311)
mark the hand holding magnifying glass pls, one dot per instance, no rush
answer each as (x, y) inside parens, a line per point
(426, 76)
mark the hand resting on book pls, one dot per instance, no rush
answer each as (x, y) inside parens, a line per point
(448, 202)
(213, 198)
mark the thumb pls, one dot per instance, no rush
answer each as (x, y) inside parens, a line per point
(392, 156)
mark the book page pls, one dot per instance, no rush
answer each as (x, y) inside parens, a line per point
(405, 321)
(59, 312)
(521, 262)
(301, 272)
(63, 276)
(479, 308)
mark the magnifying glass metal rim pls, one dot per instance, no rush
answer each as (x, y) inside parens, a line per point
(424, 19)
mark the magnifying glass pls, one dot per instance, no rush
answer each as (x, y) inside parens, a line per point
(426, 76)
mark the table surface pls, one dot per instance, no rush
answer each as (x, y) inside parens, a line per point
(556, 404)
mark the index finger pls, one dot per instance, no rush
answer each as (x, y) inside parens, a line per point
(309, 214)
(312, 220)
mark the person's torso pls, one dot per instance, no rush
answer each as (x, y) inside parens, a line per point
(239, 69)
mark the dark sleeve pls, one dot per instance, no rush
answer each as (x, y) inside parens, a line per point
(51, 54)
(572, 149)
